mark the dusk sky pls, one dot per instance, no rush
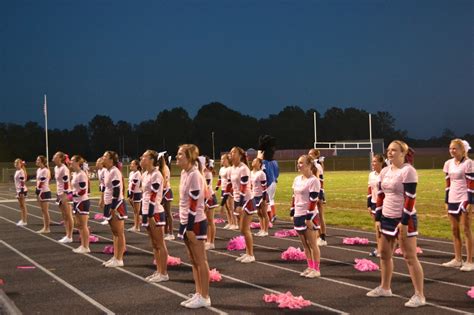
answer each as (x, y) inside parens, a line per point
(131, 59)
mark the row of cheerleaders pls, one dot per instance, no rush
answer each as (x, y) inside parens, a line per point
(245, 192)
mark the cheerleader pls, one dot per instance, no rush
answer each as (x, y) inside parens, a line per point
(459, 199)
(210, 200)
(396, 217)
(258, 181)
(153, 213)
(226, 190)
(63, 192)
(266, 153)
(304, 211)
(115, 210)
(43, 193)
(244, 206)
(20, 178)
(373, 187)
(134, 193)
(101, 171)
(316, 155)
(193, 223)
(81, 205)
(167, 194)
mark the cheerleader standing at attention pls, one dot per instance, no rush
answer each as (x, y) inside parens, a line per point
(373, 187)
(167, 194)
(43, 193)
(134, 193)
(64, 193)
(258, 181)
(20, 178)
(210, 200)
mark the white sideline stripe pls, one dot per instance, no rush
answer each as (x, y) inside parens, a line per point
(170, 290)
(323, 278)
(100, 260)
(60, 280)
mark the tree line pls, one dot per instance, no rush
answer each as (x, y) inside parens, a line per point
(292, 126)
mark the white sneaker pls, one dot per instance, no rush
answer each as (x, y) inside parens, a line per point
(313, 273)
(65, 240)
(378, 291)
(416, 301)
(234, 227)
(305, 272)
(114, 263)
(43, 231)
(322, 242)
(105, 222)
(264, 234)
(157, 277)
(21, 223)
(209, 246)
(453, 263)
(81, 250)
(192, 297)
(259, 233)
(198, 302)
(467, 267)
(169, 237)
(132, 229)
(241, 257)
(226, 227)
(248, 259)
(108, 261)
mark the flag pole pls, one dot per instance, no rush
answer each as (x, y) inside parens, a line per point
(46, 129)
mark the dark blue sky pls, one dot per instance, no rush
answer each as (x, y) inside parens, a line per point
(131, 59)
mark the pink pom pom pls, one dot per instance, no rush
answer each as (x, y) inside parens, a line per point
(365, 265)
(98, 216)
(109, 249)
(173, 261)
(293, 254)
(286, 300)
(255, 225)
(214, 275)
(470, 293)
(399, 251)
(286, 233)
(355, 241)
(236, 243)
(93, 238)
(219, 221)
(175, 216)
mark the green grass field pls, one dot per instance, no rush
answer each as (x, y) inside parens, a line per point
(346, 200)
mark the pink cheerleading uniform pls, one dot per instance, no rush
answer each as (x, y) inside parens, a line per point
(258, 182)
(80, 195)
(396, 199)
(42, 184)
(152, 184)
(373, 188)
(458, 179)
(191, 204)
(20, 183)
(240, 179)
(113, 194)
(134, 190)
(304, 202)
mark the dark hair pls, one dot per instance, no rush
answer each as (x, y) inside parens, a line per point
(152, 154)
(79, 159)
(63, 157)
(243, 155)
(137, 163)
(379, 157)
(43, 160)
(114, 157)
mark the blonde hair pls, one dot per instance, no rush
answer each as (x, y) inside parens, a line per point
(191, 152)
(409, 152)
(310, 161)
(22, 166)
(315, 152)
(460, 144)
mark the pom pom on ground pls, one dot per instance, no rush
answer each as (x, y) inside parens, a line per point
(293, 253)
(236, 243)
(365, 265)
(286, 300)
(219, 220)
(470, 293)
(109, 249)
(286, 233)
(214, 275)
(98, 216)
(355, 241)
(399, 252)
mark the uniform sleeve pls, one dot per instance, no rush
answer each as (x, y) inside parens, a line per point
(195, 190)
(156, 183)
(244, 182)
(82, 185)
(263, 183)
(447, 181)
(410, 181)
(380, 198)
(65, 179)
(314, 189)
(470, 182)
(116, 183)
(369, 195)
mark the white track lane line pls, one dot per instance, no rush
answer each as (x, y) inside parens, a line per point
(329, 279)
(215, 310)
(58, 279)
(151, 253)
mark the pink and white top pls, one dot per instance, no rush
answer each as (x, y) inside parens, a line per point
(134, 179)
(456, 183)
(305, 195)
(397, 192)
(113, 186)
(374, 179)
(258, 181)
(208, 177)
(20, 181)
(191, 197)
(42, 179)
(152, 185)
(62, 176)
(240, 177)
(80, 185)
(101, 176)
